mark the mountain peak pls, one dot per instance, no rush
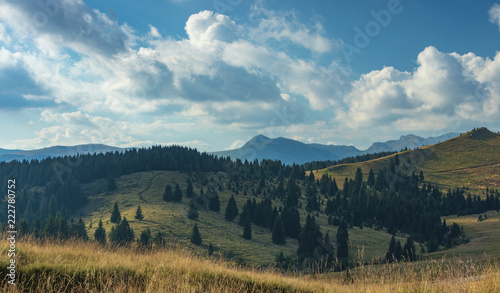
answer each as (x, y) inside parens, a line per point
(409, 136)
(259, 139)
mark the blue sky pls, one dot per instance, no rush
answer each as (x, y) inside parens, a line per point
(213, 74)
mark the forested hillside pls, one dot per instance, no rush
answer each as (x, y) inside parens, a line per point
(263, 212)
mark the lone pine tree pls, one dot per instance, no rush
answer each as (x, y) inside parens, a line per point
(192, 211)
(138, 214)
(115, 215)
(168, 195)
(231, 209)
(195, 235)
(177, 193)
(214, 201)
(210, 249)
(100, 234)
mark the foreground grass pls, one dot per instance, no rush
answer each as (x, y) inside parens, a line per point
(87, 267)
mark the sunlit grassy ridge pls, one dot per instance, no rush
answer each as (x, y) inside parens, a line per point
(87, 267)
(470, 160)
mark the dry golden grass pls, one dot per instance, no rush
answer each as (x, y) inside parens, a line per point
(87, 267)
(471, 160)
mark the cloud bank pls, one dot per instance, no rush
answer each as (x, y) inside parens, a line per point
(86, 73)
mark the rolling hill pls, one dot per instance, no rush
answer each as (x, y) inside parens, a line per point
(471, 160)
(368, 243)
(146, 189)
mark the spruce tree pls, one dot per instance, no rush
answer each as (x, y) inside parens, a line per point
(100, 234)
(213, 201)
(409, 250)
(389, 255)
(312, 198)
(333, 188)
(49, 227)
(23, 227)
(138, 214)
(189, 189)
(421, 176)
(358, 180)
(159, 239)
(145, 238)
(79, 230)
(115, 215)
(195, 235)
(168, 195)
(308, 238)
(291, 221)
(177, 193)
(292, 193)
(398, 251)
(231, 209)
(278, 235)
(342, 243)
(371, 178)
(247, 230)
(122, 234)
(111, 183)
(328, 248)
(192, 211)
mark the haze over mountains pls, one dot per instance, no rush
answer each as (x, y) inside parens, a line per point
(290, 151)
(260, 147)
(55, 151)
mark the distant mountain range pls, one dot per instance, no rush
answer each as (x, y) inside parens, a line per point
(291, 151)
(55, 151)
(260, 147)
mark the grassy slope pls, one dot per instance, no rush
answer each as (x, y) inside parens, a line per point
(146, 189)
(87, 267)
(471, 160)
(484, 236)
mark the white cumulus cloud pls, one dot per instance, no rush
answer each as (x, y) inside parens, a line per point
(446, 90)
(494, 14)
